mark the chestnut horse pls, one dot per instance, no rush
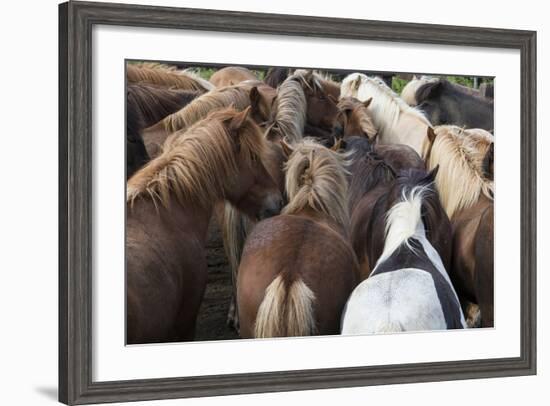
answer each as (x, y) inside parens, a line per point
(240, 97)
(301, 101)
(409, 288)
(298, 269)
(169, 206)
(465, 159)
(161, 77)
(231, 75)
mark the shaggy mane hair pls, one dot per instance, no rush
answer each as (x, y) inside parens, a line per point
(316, 178)
(197, 168)
(460, 155)
(163, 78)
(236, 96)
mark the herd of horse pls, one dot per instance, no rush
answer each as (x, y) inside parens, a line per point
(345, 208)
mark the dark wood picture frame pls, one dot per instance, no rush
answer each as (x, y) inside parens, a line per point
(76, 20)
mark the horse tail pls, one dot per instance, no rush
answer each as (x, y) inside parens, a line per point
(286, 310)
(389, 326)
(235, 230)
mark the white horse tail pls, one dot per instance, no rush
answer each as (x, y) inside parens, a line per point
(389, 326)
(286, 311)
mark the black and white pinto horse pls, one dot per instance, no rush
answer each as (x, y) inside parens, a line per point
(409, 288)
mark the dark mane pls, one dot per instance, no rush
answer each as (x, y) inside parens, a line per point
(275, 76)
(368, 169)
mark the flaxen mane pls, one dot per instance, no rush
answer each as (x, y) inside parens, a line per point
(290, 110)
(316, 178)
(154, 103)
(386, 106)
(461, 178)
(195, 168)
(360, 112)
(163, 78)
(236, 96)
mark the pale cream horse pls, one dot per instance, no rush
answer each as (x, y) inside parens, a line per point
(397, 122)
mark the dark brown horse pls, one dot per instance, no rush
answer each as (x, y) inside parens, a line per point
(146, 105)
(286, 288)
(371, 180)
(302, 103)
(170, 203)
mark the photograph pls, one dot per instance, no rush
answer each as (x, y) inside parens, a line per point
(266, 202)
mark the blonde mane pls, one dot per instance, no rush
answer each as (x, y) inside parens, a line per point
(361, 112)
(198, 166)
(386, 106)
(459, 154)
(236, 96)
(290, 117)
(316, 178)
(161, 77)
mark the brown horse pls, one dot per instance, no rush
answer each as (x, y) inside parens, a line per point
(298, 269)
(169, 205)
(231, 75)
(240, 97)
(160, 77)
(302, 101)
(371, 180)
(146, 105)
(354, 120)
(465, 183)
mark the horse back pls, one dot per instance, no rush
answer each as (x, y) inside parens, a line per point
(297, 248)
(415, 257)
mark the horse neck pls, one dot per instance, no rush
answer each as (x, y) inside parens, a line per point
(175, 220)
(411, 131)
(408, 129)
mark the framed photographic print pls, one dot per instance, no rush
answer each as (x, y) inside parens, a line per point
(257, 202)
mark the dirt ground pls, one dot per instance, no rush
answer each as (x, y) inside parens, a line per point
(211, 321)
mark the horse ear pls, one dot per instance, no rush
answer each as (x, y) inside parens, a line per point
(428, 90)
(431, 135)
(337, 144)
(287, 149)
(238, 119)
(255, 97)
(488, 161)
(430, 177)
(367, 102)
(357, 83)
